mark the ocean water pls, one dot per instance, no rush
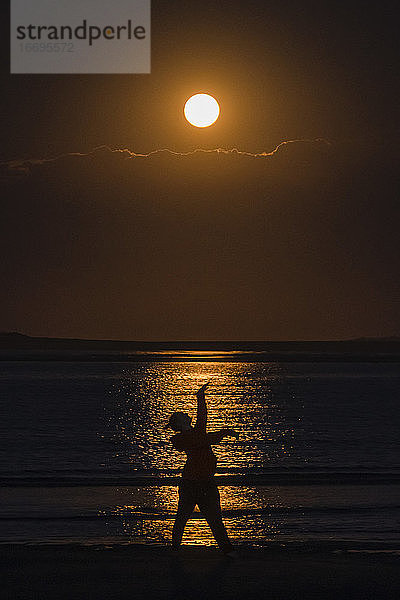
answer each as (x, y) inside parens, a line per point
(85, 456)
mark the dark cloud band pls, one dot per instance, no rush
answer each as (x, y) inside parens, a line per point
(21, 167)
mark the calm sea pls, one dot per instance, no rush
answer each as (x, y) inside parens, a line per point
(85, 456)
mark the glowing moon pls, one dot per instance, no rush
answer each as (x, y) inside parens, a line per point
(201, 110)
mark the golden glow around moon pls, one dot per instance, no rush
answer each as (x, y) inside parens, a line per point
(201, 110)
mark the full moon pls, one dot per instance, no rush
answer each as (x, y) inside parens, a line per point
(201, 110)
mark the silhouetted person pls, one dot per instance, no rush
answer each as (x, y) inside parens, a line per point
(197, 485)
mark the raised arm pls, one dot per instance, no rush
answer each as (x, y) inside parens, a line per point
(201, 417)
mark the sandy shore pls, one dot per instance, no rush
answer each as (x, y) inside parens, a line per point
(197, 572)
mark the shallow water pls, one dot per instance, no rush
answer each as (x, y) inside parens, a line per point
(254, 516)
(85, 422)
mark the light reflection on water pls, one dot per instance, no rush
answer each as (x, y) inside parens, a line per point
(258, 515)
(255, 515)
(241, 396)
(241, 509)
(92, 422)
(103, 419)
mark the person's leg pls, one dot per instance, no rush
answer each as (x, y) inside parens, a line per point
(186, 506)
(210, 505)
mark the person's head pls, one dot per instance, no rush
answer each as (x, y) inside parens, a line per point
(179, 421)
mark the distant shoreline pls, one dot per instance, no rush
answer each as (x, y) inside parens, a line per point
(19, 347)
(274, 358)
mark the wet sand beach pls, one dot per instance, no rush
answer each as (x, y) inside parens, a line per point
(47, 573)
